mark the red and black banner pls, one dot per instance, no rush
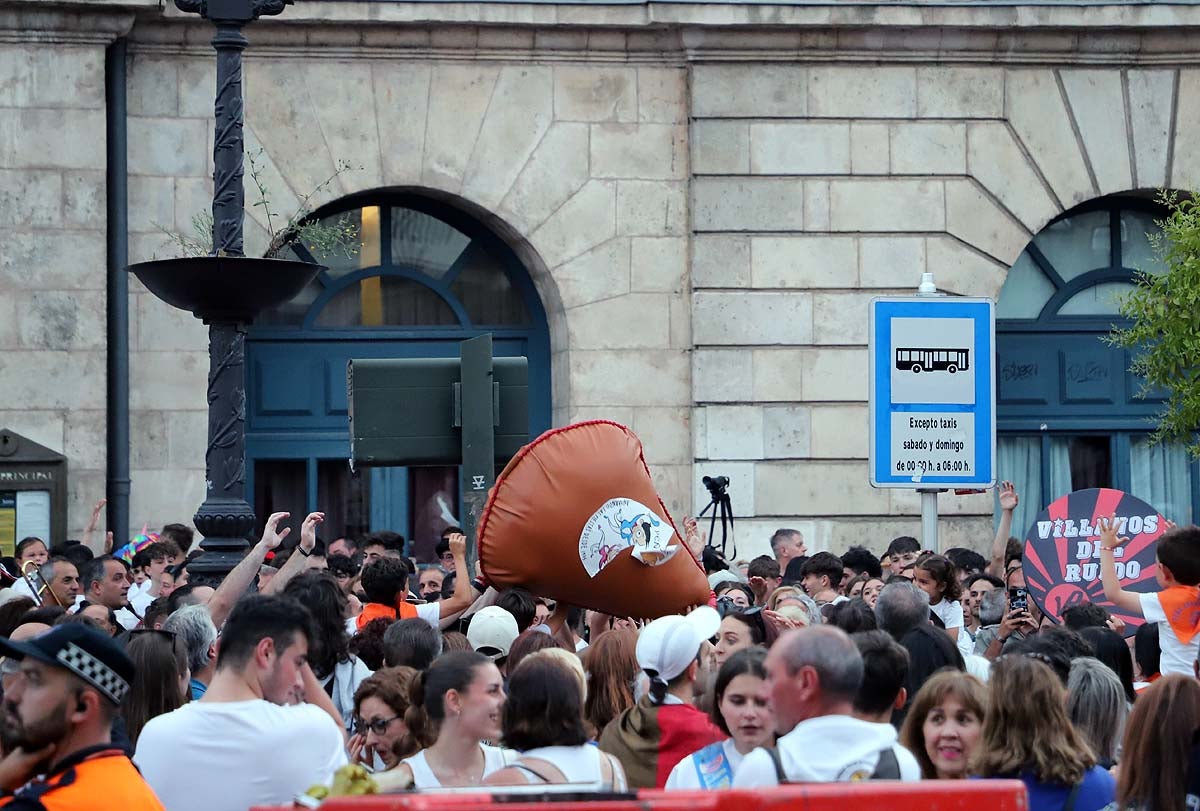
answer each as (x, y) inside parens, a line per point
(1062, 551)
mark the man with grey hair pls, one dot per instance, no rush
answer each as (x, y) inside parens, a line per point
(62, 580)
(993, 608)
(787, 544)
(194, 626)
(413, 643)
(814, 675)
(900, 608)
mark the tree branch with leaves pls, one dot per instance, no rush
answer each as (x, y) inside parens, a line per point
(1163, 332)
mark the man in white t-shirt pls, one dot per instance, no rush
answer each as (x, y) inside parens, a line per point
(814, 676)
(1176, 608)
(251, 740)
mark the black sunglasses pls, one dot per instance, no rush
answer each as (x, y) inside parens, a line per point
(376, 725)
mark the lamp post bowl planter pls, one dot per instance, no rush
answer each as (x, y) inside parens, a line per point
(225, 289)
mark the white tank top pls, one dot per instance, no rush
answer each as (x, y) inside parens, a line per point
(494, 759)
(580, 765)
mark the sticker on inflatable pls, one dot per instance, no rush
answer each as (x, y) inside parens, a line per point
(1062, 551)
(620, 524)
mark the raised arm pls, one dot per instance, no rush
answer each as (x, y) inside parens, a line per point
(463, 595)
(97, 547)
(295, 564)
(1008, 502)
(1127, 601)
(237, 582)
(315, 694)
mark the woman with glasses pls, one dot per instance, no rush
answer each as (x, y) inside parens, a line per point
(381, 738)
(161, 681)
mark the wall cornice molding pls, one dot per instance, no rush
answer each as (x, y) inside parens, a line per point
(681, 44)
(44, 24)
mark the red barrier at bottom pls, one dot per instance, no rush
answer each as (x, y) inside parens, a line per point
(932, 795)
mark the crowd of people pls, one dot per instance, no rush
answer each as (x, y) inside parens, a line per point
(126, 677)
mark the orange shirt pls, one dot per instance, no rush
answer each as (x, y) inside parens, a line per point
(374, 611)
(84, 777)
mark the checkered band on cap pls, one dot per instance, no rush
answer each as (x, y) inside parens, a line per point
(94, 672)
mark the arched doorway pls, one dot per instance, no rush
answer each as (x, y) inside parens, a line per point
(427, 277)
(1068, 413)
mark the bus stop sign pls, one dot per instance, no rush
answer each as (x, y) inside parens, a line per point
(933, 392)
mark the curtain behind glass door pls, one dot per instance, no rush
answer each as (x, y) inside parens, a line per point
(1161, 476)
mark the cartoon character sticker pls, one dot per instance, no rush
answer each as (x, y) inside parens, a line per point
(621, 524)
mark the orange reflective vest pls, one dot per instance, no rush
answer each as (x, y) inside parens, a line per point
(98, 775)
(374, 611)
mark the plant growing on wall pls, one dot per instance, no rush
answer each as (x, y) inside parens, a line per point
(321, 238)
(1164, 323)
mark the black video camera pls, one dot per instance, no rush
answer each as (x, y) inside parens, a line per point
(717, 485)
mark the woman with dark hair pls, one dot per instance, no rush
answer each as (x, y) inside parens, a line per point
(161, 679)
(543, 720)
(741, 709)
(738, 632)
(339, 671)
(455, 706)
(1111, 649)
(1147, 656)
(944, 723)
(381, 739)
(1028, 736)
(1159, 745)
(612, 668)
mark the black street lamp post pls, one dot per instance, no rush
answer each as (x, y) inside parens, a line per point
(227, 290)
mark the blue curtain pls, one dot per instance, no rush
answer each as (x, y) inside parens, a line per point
(1161, 476)
(1020, 462)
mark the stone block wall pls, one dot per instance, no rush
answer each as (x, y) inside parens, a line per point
(818, 186)
(52, 249)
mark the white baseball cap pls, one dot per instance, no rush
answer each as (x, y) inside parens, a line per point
(668, 645)
(492, 631)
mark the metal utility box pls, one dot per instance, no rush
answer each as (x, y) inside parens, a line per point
(409, 411)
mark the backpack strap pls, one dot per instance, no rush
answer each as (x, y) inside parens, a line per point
(780, 777)
(541, 778)
(888, 767)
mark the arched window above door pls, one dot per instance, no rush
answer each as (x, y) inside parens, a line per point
(418, 264)
(1081, 263)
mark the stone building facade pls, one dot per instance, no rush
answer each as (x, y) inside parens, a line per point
(705, 196)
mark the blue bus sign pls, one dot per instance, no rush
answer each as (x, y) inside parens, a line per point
(933, 392)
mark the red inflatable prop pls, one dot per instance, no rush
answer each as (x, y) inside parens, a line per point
(575, 517)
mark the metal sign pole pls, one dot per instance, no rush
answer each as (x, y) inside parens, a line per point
(478, 409)
(929, 505)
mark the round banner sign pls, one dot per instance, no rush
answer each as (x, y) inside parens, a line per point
(1062, 551)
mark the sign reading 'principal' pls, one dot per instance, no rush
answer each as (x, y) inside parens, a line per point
(933, 392)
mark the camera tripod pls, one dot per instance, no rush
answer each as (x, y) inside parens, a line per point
(718, 488)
